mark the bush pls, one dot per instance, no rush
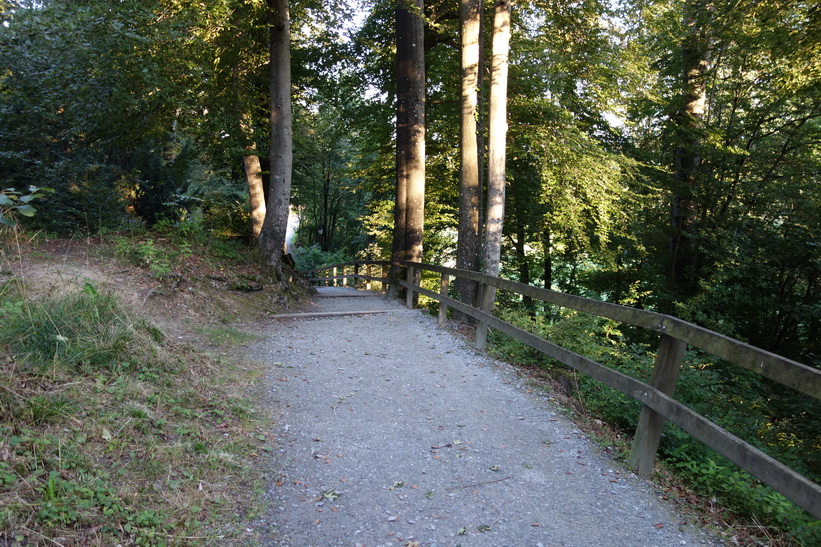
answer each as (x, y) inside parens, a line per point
(88, 197)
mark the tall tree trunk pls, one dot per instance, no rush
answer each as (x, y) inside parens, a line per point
(253, 175)
(695, 54)
(409, 214)
(497, 139)
(250, 161)
(548, 257)
(470, 190)
(272, 237)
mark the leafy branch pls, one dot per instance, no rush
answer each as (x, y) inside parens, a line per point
(14, 202)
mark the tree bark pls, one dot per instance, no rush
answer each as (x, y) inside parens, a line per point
(272, 237)
(253, 176)
(470, 190)
(250, 161)
(695, 54)
(409, 213)
(497, 138)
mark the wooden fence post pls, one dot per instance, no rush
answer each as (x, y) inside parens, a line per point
(409, 292)
(443, 308)
(356, 276)
(368, 281)
(648, 432)
(335, 281)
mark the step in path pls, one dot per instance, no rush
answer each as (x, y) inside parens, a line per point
(391, 431)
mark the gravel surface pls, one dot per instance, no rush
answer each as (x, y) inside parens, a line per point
(393, 432)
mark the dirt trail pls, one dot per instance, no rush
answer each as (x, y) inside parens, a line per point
(393, 432)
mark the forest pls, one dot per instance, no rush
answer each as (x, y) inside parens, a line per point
(660, 154)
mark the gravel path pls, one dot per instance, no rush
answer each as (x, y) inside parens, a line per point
(393, 432)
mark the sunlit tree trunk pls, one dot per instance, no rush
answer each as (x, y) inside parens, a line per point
(497, 139)
(410, 131)
(250, 161)
(272, 237)
(256, 191)
(470, 190)
(695, 54)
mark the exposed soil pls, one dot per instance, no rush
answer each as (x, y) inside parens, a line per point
(198, 292)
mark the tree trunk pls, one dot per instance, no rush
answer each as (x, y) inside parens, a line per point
(272, 237)
(497, 138)
(695, 53)
(409, 214)
(470, 190)
(548, 258)
(250, 161)
(253, 175)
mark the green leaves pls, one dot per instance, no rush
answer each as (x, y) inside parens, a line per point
(14, 203)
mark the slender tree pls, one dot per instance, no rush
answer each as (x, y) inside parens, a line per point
(272, 236)
(695, 53)
(497, 139)
(410, 131)
(470, 190)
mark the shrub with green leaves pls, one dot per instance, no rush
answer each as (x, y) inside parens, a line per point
(14, 202)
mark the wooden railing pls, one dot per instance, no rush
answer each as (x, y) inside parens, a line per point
(658, 405)
(350, 274)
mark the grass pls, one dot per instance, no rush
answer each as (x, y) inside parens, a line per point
(110, 434)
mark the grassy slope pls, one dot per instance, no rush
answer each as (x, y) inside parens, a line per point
(127, 413)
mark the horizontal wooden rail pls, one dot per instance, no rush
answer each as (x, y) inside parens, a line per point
(785, 371)
(658, 404)
(332, 276)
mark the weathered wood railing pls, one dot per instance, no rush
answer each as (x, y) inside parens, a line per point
(655, 396)
(340, 274)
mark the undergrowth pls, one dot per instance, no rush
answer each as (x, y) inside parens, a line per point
(110, 434)
(737, 400)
